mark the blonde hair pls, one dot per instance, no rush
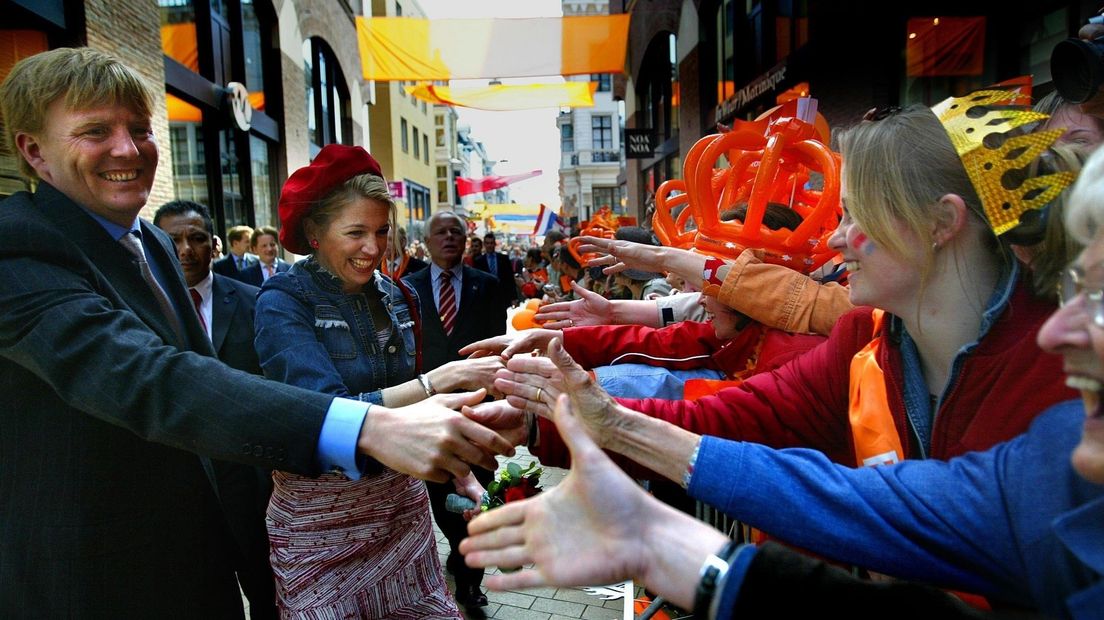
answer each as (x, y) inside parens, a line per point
(896, 170)
(1057, 248)
(1085, 206)
(237, 233)
(87, 78)
(361, 186)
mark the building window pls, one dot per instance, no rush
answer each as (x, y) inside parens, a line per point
(605, 81)
(329, 118)
(233, 171)
(425, 148)
(398, 10)
(405, 139)
(726, 54)
(606, 197)
(417, 145)
(601, 132)
(440, 136)
(567, 138)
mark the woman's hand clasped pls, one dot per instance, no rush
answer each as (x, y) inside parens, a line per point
(430, 439)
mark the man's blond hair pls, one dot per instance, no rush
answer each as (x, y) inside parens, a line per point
(237, 233)
(87, 78)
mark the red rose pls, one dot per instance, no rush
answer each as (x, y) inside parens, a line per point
(515, 493)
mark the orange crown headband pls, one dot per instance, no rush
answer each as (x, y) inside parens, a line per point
(770, 159)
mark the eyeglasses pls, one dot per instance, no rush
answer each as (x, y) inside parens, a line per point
(1072, 284)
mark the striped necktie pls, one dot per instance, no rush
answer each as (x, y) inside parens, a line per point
(132, 241)
(446, 303)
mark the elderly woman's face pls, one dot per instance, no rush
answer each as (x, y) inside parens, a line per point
(354, 243)
(1076, 332)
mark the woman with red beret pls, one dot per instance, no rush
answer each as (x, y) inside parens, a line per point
(357, 542)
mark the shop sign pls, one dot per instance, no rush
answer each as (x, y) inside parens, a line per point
(240, 108)
(639, 144)
(760, 85)
(396, 189)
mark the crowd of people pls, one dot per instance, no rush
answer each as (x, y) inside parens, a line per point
(180, 425)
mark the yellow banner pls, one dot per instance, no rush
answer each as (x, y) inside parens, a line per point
(408, 48)
(504, 97)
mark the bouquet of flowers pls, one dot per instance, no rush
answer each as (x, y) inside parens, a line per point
(511, 484)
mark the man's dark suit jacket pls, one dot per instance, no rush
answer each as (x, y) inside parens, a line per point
(244, 491)
(479, 315)
(105, 509)
(252, 274)
(232, 311)
(226, 266)
(507, 286)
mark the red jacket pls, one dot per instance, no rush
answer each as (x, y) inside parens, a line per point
(1002, 385)
(755, 349)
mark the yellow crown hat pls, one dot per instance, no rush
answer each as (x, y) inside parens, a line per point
(996, 164)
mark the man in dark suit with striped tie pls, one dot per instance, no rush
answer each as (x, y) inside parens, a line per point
(459, 305)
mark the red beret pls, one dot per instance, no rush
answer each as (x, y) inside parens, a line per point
(334, 165)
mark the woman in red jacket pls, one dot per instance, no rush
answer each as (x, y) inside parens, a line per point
(950, 366)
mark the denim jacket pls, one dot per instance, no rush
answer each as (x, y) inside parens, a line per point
(312, 335)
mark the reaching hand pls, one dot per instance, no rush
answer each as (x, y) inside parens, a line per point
(589, 529)
(487, 346)
(534, 383)
(502, 417)
(589, 309)
(470, 488)
(622, 255)
(431, 441)
(524, 341)
(468, 374)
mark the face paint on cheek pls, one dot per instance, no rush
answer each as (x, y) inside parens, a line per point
(863, 244)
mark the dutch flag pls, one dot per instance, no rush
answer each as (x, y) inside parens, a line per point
(548, 220)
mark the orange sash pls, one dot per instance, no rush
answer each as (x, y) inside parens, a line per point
(872, 425)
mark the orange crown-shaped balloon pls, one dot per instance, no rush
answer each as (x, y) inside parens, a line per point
(769, 160)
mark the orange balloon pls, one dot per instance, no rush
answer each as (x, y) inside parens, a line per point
(533, 304)
(523, 319)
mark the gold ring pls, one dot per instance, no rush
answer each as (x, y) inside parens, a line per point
(539, 390)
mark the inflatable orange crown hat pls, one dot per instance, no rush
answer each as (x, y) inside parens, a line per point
(977, 125)
(602, 224)
(769, 160)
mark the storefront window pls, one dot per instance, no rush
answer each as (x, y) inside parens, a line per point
(186, 142)
(254, 55)
(214, 161)
(233, 204)
(178, 32)
(263, 184)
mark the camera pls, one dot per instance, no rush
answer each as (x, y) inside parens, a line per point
(1077, 68)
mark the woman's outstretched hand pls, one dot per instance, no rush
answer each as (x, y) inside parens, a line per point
(430, 439)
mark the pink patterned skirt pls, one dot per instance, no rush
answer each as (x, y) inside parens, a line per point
(355, 549)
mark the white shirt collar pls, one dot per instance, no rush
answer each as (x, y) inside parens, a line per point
(204, 287)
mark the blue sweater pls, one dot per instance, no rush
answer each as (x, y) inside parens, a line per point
(1014, 522)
